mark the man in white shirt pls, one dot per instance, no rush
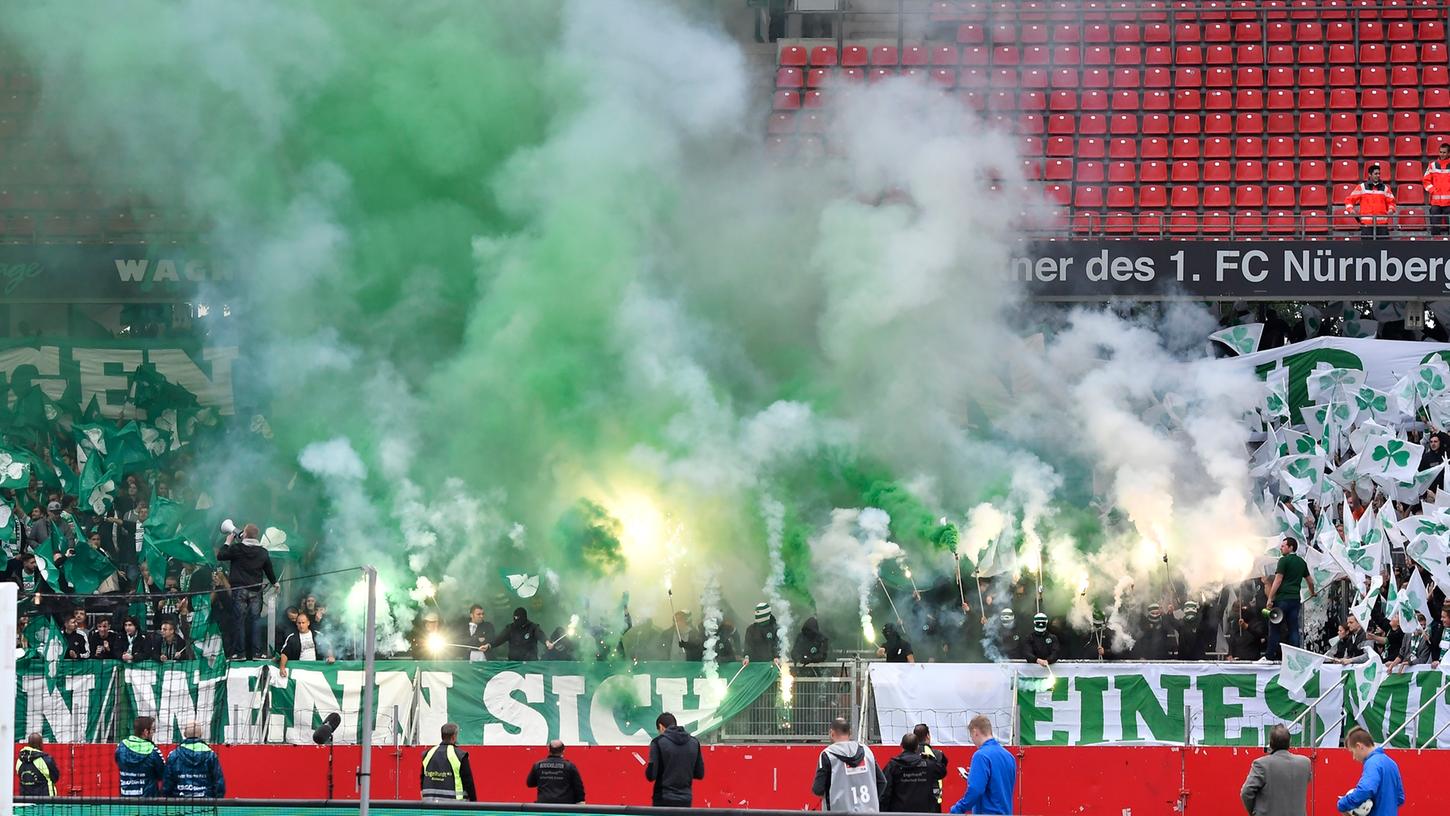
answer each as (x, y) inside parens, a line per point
(303, 644)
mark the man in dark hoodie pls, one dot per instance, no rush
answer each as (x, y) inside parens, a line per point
(895, 649)
(760, 636)
(1043, 647)
(911, 780)
(138, 761)
(37, 771)
(523, 637)
(193, 770)
(556, 778)
(250, 573)
(847, 778)
(811, 646)
(675, 762)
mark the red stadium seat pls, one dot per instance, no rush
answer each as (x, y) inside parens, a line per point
(1279, 123)
(856, 56)
(1158, 55)
(1187, 32)
(1156, 124)
(1184, 172)
(1436, 98)
(971, 34)
(885, 55)
(1431, 31)
(1375, 147)
(1155, 172)
(1411, 218)
(1183, 223)
(1093, 100)
(1282, 100)
(1281, 77)
(1120, 197)
(1308, 31)
(1410, 194)
(1157, 101)
(1343, 123)
(1437, 121)
(975, 55)
(1216, 196)
(1217, 147)
(1153, 77)
(1121, 172)
(1248, 222)
(1343, 99)
(1345, 170)
(1311, 53)
(1249, 99)
(1123, 124)
(1406, 98)
(1373, 76)
(1311, 122)
(1249, 54)
(1249, 123)
(1335, 32)
(1185, 147)
(943, 54)
(1341, 54)
(786, 100)
(1313, 195)
(1217, 33)
(1371, 31)
(1248, 32)
(1406, 122)
(1280, 197)
(1118, 223)
(1371, 99)
(1126, 101)
(1315, 222)
(1404, 76)
(1089, 172)
(1409, 170)
(1057, 170)
(1344, 147)
(1249, 196)
(789, 78)
(1152, 196)
(1033, 33)
(1087, 197)
(1060, 146)
(1123, 148)
(793, 55)
(1249, 172)
(1218, 123)
(1217, 172)
(1249, 76)
(1339, 77)
(1407, 147)
(1248, 147)
(1313, 170)
(1280, 55)
(1280, 172)
(1183, 196)
(1403, 54)
(1156, 147)
(915, 55)
(1281, 222)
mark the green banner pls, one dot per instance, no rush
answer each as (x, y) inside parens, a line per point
(102, 369)
(493, 702)
(107, 273)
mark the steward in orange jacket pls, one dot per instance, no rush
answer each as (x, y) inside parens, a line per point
(1375, 203)
(1437, 187)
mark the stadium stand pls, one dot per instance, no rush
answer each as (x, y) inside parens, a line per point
(1189, 118)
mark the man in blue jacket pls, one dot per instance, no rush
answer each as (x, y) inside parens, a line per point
(193, 770)
(139, 762)
(992, 779)
(1380, 780)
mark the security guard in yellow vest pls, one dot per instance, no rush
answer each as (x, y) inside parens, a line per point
(923, 739)
(446, 775)
(37, 771)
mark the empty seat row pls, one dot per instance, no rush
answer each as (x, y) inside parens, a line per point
(1158, 10)
(1212, 78)
(1192, 32)
(1191, 171)
(825, 56)
(1191, 100)
(1158, 148)
(1242, 124)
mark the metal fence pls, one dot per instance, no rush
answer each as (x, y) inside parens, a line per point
(819, 694)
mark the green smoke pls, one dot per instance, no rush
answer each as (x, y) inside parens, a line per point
(502, 265)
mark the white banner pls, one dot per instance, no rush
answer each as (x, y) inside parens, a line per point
(1094, 703)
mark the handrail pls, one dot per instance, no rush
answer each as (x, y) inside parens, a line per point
(1344, 677)
(1434, 698)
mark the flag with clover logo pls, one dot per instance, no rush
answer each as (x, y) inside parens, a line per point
(1421, 386)
(1365, 679)
(1327, 384)
(1299, 475)
(1410, 491)
(1363, 609)
(1413, 598)
(98, 485)
(1390, 461)
(1276, 394)
(14, 468)
(1372, 402)
(1297, 669)
(1240, 339)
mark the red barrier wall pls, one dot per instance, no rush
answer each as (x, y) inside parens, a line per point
(1051, 780)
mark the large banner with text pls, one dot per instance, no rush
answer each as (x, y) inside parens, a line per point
(101, 369)
(493, 702)
(1154, 703)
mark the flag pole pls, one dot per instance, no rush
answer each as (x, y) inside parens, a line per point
(887, 592)
(960, 591)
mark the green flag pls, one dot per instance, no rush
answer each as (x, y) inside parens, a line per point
(98, 485)
(65, 478)
(126, 448)
(14, 468)
(88, 569)
(162, 538)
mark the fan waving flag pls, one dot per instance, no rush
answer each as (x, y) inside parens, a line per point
(14, 468)
(1390, 461)
(1240, 339)
(1365, 679)
(98, 485)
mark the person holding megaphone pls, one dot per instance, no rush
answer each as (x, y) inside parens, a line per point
(250, 575)
(1283, 609)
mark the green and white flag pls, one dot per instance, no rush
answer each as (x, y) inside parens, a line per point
(1409, 492)
(1413, 598)
(1299, 475)
(14, 469)
(1297, 669)
(999, 555)
(1276, 396)
(1329, 424)
(1365, 679)
(1291, 524)
(88, 569)
(1240, 339)
(1363, 609)
(1326, 384)
(98, 485)
(1374, 403)
(1390, 461)
(1422, 385)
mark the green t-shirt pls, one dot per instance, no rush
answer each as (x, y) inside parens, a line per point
(1294, 570)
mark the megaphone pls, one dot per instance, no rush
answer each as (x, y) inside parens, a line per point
(228, 526)
(1274, 614)
(323, 734)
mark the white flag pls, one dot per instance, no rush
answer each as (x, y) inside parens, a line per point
(1240, 339)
